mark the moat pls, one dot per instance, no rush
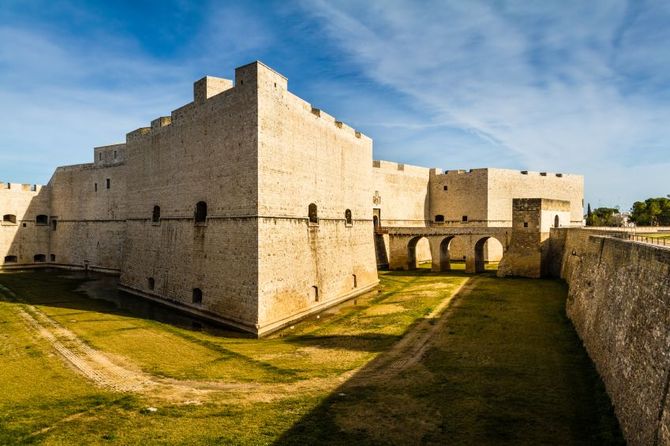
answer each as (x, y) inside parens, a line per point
(433, 358)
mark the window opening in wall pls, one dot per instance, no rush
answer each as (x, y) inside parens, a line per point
(33, 188)
(556, 221)
(9, 218)
(54, 224)
(315, 293)
(197, 296)
(40, 258)
(95, 187)
(525, 224)
(151, 283)
(11, 259)
(115, 154)
(99, 156)
(156, 214)
(109, 183)
(53, 257)
(524, 172)
(201, 212)
(24, 225)
(446, 187)
(313, 215)
(355, 280)
(347, 217)
(42, 220)
(439, 218)
(465, 218)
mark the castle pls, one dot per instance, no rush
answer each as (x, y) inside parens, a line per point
(253, 208)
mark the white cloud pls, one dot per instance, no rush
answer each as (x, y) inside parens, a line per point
(542, 81)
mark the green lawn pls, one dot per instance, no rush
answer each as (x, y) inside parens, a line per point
(509, 367)
(655, 235)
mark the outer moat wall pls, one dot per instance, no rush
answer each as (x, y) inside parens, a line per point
(619, 303)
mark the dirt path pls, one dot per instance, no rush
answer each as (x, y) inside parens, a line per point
(104, 372)
(409, 350)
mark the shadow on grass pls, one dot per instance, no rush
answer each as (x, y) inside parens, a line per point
(521, 377)
(367, 342)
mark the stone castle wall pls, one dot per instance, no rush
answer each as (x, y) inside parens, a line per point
(619, 303)
(24, 238)
(204, 152)
(308, 157)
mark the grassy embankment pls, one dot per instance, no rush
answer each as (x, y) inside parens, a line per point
(508, 369)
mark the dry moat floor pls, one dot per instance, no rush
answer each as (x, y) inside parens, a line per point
(433, 358)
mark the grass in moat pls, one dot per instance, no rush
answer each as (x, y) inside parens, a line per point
(509, 369)
(655, 234)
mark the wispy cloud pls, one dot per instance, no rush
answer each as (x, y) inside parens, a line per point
(556, 85)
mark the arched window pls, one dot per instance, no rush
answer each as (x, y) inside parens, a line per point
(347, 217)
(156, 214)
(201, 212)
(197, 296)
(556, 222)
(439, 218)
(151, 283)
(42, 220)
(312, 212)
(40, 258)
(11, 259)
(9, 218)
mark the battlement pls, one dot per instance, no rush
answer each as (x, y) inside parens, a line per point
(109, 155)
(390, 166)
(19, 187)
(320, 114)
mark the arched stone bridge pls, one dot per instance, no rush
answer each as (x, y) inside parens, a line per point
(403, 240)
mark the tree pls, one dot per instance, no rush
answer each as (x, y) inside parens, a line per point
(651, 212)
(603, 216)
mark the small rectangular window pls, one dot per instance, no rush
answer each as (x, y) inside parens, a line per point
(109, 183)
(446, 187)
(53, 257)
(115, 154)
(465, 218)
(95, 187)
(525, 224)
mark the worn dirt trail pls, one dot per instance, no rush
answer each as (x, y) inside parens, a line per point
(110, 374)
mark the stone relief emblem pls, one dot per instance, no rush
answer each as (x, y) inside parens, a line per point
(377, 199)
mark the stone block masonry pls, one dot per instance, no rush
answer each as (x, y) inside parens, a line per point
(619, 303)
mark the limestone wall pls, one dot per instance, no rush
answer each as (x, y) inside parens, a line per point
(308, 157)
(22, 235)
(88, 211)
(619, 303)
(206, 151)
(403, 193)
(505, 185)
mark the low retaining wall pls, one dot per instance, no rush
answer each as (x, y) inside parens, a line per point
(619, 303)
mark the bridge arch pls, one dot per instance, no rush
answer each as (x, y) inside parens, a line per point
(445, 256)
(413, 246)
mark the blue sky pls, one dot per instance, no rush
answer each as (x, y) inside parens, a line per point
(561, 86)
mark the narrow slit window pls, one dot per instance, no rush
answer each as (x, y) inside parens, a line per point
(347, 217)
(156, 214)
(151, 283)
(197, 296)
(312, 212)
(109, 183)
(315, 293)
(201, 212)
